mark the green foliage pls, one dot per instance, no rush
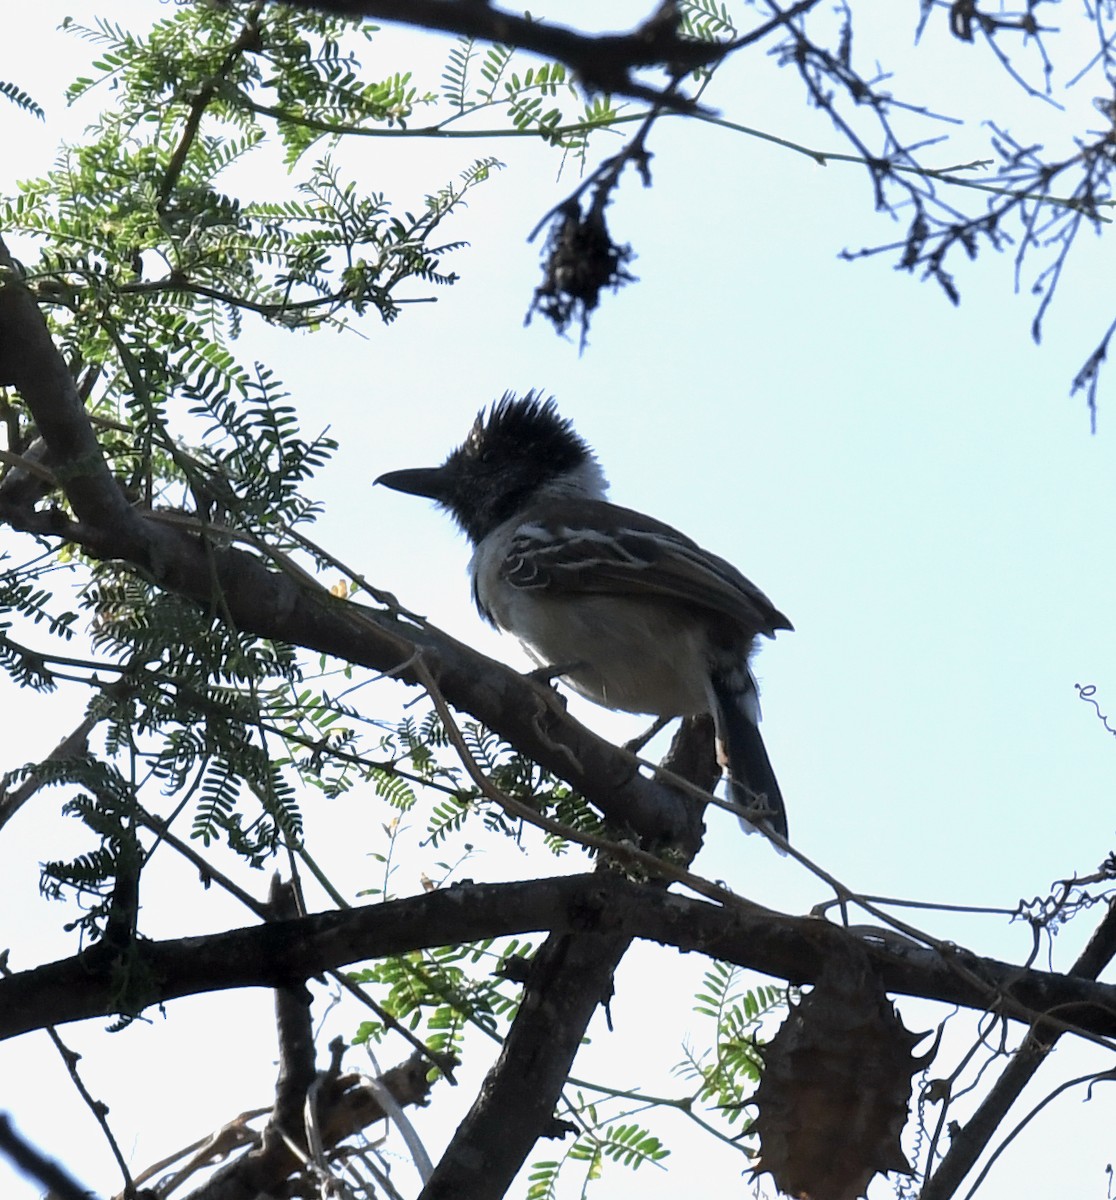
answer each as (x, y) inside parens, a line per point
(625, 1142)
(527, 102)
(434, 992)
(193, 712)
(630, 1145)
(24, 601)
(21, 99)
(727, 1074)
(151, 263)
(255, 454)
(25, 666)
(106, 806)
(151, 247)
(707, 20)
(150, 259)
(495, 63)
(612, 1125)
(476, 79)
(455, 76)
(517, 777)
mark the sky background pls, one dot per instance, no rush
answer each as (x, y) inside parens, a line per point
(911, 483)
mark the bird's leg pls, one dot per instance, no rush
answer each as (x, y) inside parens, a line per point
(657, 726)
(546, 675)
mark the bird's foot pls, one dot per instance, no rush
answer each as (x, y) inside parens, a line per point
(551, 672)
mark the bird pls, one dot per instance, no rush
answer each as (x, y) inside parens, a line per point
(624, 609)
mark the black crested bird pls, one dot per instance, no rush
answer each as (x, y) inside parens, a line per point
(630, 612)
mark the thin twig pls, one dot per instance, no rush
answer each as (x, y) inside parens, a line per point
(444, 1063)
(97, 1107)
(969, 1142)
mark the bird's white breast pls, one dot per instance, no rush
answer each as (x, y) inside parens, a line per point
(619, 651)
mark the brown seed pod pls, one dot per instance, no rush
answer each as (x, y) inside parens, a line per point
(836, 1087)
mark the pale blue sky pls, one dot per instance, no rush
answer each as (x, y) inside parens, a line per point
(909, 482)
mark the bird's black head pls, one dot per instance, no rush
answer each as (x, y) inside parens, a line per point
(518, 451)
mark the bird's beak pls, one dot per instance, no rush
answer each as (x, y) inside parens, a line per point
(419, 481)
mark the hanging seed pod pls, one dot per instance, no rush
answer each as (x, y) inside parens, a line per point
(836, 1087)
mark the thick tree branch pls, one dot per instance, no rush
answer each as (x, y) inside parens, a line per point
(570, 976)
(783, 946)
(30, 362)
(277, 605)
(603, 62)
(297, 1056)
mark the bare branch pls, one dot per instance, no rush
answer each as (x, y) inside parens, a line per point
(36, 1165)
(98, 1108)
(72, 745)
(969, 1142)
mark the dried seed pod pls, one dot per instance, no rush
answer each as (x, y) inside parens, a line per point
(836, 1087)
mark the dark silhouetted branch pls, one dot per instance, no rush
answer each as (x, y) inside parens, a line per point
(569, 977)
(37, 1166)
(603, 62)
(785, 947)
(969, 1142)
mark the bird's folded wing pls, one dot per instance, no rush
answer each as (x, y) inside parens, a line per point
(604, 549)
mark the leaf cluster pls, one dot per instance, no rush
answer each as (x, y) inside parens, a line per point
(26, 603)
(150, 256)
(628, 1144)
(440, 992)
(21, 99)
(727, 1073)
(542, 102)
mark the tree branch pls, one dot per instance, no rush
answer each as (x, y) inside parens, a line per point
(968, 1143)
(786, 947)
(295, 1031)
(346, 1105)
(37, 1166)
(72, 745)
(273, 604)
(570, 976)
(603, 62)
(261, 1169)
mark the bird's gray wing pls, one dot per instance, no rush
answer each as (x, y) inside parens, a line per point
(594, 547)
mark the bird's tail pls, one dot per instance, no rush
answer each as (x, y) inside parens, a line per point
(752, 781)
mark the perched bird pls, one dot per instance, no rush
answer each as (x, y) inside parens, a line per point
(626, 610)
